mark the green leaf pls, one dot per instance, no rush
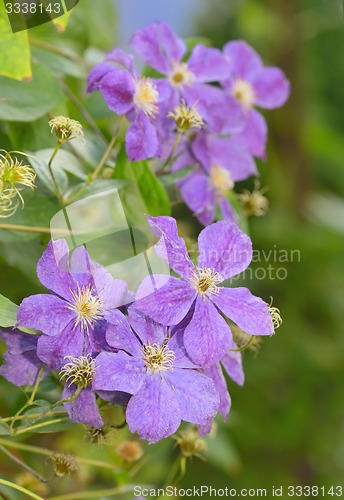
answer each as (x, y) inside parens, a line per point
(14, 51)
(27, 101)
(167, 180)
(4, 430)
(8, 312)
(61, 22)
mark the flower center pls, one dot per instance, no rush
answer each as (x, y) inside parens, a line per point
(146, 96)
(181, 75)
(244, 92)
(221, 179)
(87, 305)
(158, 358)
(79, 371)
(205, 281)
(186, 117)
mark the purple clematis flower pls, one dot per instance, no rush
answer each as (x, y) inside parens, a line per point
(221, 163)
(21, 363)
(224, 252)
(72, 317)
(253, 85)
(166, 386)
(164, 51)
(126, 93)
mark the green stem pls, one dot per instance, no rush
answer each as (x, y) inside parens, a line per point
(20, 488)
(170, 158)
(32, 415)
(23, 430)
(60, 51)
(58, 192)
(246, 346)
(24, 465)
(82, 495)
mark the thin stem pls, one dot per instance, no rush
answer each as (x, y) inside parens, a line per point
(57, 187)
(32, 415)
(20, 488)
(60, 51)
(246, 346)
(170, 158)
(23, 430)
(24, 465)
(31, 400)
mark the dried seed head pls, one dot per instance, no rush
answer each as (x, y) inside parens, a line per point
(190, 444)
(186, 117)
(101, 437)
(64, 464)
(66, 129)
(130, 451)
(79, 371)
(254, 203)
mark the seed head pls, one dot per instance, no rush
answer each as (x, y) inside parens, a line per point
(190, 444)
(79, 371)
(66, 129)
(130, 451)
(186, 117)
(64, 464)
(254, 203)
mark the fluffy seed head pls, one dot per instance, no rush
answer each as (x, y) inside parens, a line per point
(79, 371)
(146, 96)
(189, 443)
(244, 93)
(221, 179)
(186, 117)
(205, 281)
(66, 129)
(130, 451)
(181, 75)
(87, 305)
(254, 203)
(158, 358)
(64, 464)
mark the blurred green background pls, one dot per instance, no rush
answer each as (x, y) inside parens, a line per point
(286, 426)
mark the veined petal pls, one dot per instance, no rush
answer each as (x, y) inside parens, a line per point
(142, 140)
(158, 46)
(96, 74)
(232, 363)
(207, 337)
(169, 304)
(154, 412)
(271, 87)
(249, 312)
(53, 350)
(224, 248)
(171, 247)
(215, 373)
(208, 64)
(196, 394)
(112, 292)
(122, 59)
(182, 359)
(46, 313)
(118, 372)
(118, 89)
(84, 409)
(199, 196)
(53, 271)
(119, 334)
(148, 331)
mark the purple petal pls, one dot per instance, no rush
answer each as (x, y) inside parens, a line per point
(196, 394)
(244, 62)
(158, 46)
(272, 88)
(226, 209)
(53, 350)
(154, 412)
(119, 334)
(118, 90)
(84, 409)
(203, 430)
(255, 134)
(215, 373)
(232, 363)
(116, 397)
(228, 154)
(118, 372)
(142, 140)
(80, 261)
(18, 342)
(168, 305)
(171, 247)
(182, 359)
(208, 64)
(122, 59)
(207, 337)
(199, 196)
(96, 74)
(147, 330)
(112, 292)
(46, 313)
(224, 248)
(53, 271)
(250, 313)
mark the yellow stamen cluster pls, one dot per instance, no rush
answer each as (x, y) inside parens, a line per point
(275, 316)
(158, 358)
(221, 180)
(146, 96)
(181, 75)
(244, 93)
(66, 129)
(87, 305)
(13, 174)
(205, 281)
(190, 444)
(64, 464)
(254, 203)
(79, 371)
(186, 117)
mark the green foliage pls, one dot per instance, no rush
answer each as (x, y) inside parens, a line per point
(8, 312)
